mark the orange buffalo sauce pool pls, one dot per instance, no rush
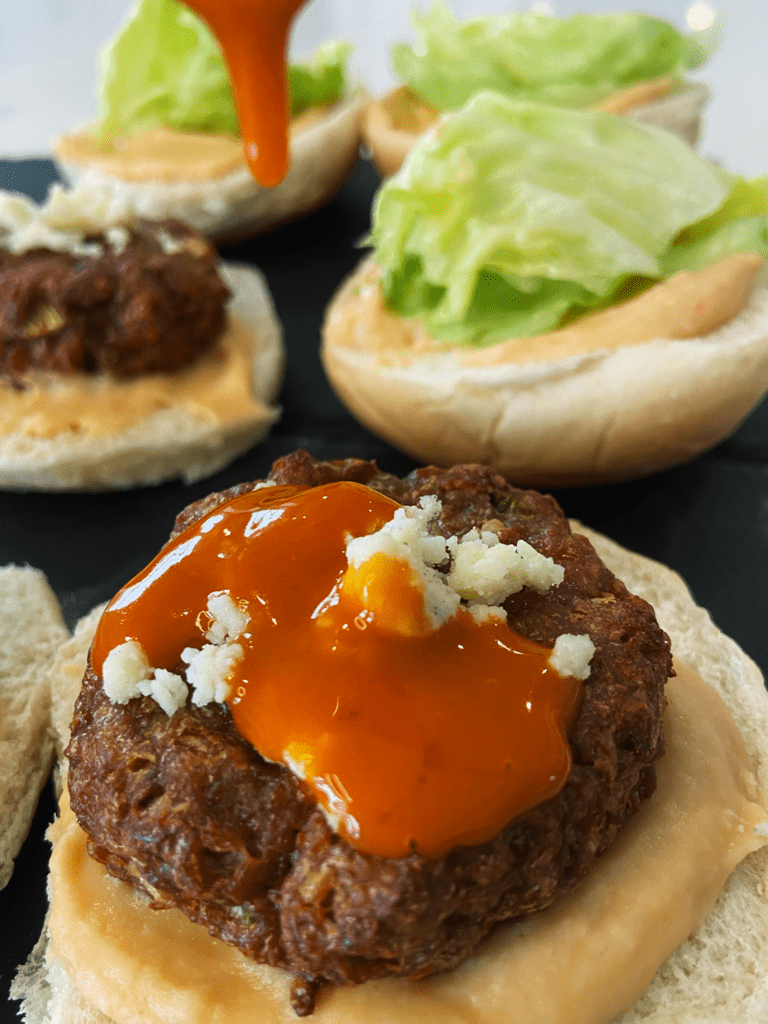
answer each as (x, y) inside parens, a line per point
(253, 36)
(410, 738)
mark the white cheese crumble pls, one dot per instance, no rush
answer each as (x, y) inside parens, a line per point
(68, 216)
(118, 238)
(127, 673)
(228, 619)
(63, 221)
(482, 571)
(168, 242)
(571, 655)
(209, 670)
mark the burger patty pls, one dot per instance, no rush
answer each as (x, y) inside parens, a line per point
(185, 809)
(148, 300)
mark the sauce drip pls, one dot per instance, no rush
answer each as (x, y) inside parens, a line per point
(410, 738)
(253, 37)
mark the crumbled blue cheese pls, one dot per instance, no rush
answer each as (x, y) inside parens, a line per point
(485, 571)
(170, 244)
(209, 670)
(127, 673)
(481, 570)
(571, 655)
(63, 221)
(118, 238)
(228, 620)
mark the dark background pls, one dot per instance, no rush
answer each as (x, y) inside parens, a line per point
(708, 519)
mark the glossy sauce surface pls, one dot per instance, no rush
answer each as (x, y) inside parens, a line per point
(253, 37)
(411, 738)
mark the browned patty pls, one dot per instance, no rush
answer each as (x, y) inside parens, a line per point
(186, 810)
(128, 311)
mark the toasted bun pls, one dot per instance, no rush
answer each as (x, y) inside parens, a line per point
(234, 206)
(718, 974)
(391, 126)
(589, 417)
(171, 442)
(31, 630)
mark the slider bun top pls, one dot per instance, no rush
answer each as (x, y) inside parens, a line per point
(166, 136)
(564, 295)
(613, 413)
(31, 631)
(228, 207)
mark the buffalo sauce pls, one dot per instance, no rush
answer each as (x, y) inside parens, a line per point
(411, 738)
(253, 36)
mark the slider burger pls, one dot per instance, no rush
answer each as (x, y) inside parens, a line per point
(391, 750)
(627, 64)
(167, 140)
(565, 295)
(128, 354)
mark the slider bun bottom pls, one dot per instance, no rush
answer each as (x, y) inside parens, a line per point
(172, 442)
(679, 112)
(603, 416)
(235, 207)
(718, 974)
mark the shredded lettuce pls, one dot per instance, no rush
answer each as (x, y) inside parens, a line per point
(165, 68)
(513, 215)
(574, 62)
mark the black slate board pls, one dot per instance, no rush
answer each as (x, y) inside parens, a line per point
(708, 519)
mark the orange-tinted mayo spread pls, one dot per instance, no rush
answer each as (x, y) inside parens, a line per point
(411, 737)
(253, 36)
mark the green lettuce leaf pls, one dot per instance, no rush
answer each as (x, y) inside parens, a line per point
(322, 80)
(513, 216)
(740, 225)
(574, 62)
(165, 68)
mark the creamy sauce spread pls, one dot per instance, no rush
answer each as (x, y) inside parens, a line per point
(216, 388)
(166, 154)
(582, 961)
(688, 305)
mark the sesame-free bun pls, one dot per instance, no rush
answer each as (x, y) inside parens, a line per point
(176, 437)
(232, 206)
(391, 126)
(560, 410)
(31, 631)
(95, 973)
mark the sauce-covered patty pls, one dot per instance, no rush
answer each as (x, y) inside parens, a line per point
(184, 809)
(137, 300)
